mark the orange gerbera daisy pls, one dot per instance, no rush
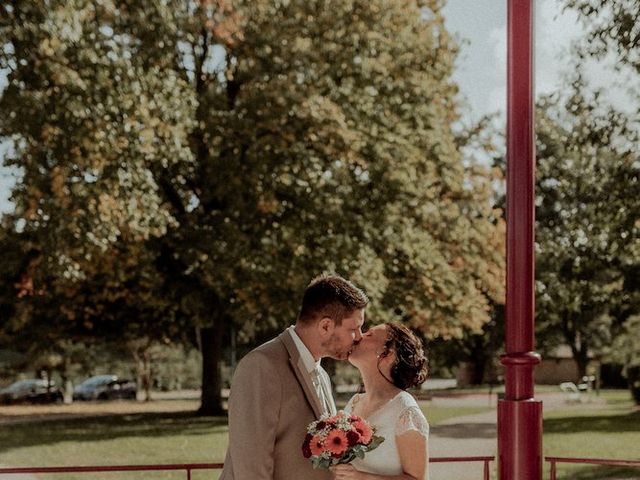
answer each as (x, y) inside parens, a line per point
(337, 442)
(366, 434)
(316, 445)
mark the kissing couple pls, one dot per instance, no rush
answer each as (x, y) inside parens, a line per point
(279, 388)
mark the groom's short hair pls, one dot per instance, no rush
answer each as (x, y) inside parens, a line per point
(332, 296)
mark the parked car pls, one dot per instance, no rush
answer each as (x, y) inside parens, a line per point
(31, 391)
(105, 387)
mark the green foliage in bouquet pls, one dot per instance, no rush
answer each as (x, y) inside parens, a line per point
(358, 451)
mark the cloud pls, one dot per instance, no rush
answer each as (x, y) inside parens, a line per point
(556, 30)
(555, 33)
(497, 97)
(7, 181)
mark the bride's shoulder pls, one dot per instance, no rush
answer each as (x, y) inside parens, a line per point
(410, 416)
(405, 399)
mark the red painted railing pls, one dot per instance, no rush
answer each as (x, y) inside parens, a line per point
(189, 467)
(186, 467)
(485, 460)
(590, 461)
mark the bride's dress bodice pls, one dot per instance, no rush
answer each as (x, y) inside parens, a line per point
(400, 415)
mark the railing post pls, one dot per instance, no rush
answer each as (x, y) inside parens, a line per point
(486, 470)
(552, 474)
(188, 474)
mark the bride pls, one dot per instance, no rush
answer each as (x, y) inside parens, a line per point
(391, 360)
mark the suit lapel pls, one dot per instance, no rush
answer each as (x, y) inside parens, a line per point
(301, 373)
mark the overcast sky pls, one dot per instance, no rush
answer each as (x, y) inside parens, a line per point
(481, 66)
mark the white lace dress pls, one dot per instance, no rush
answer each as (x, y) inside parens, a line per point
(400, 415)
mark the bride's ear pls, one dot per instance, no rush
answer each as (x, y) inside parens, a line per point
(384, 353)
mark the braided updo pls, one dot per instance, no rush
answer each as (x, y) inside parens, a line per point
(410, 367)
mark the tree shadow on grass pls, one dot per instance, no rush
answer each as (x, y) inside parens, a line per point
(465, 430)
(600, 472)
(108, 427)
(599, 423)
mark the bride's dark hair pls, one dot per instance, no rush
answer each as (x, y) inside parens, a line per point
(410, 367)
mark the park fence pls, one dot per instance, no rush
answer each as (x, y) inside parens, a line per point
(190, 467)
(588, 461)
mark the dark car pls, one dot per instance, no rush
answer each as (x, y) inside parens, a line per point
(105, 387)
(31, 391)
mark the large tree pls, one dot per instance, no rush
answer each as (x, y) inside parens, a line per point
(329, 147)
(626, 351)
(587, 210)
(90, 123)
(613, 30)
(247, 146)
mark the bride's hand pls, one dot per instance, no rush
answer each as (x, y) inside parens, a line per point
(345, 472)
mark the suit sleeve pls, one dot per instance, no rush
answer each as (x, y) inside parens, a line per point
(254, 410)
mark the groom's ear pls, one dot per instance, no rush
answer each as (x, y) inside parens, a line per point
(326, 324)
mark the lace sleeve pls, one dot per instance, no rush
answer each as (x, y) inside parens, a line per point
(412, 418)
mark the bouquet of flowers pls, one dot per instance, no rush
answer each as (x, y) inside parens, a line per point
(339, 439)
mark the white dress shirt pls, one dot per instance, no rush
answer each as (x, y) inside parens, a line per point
(319, 377)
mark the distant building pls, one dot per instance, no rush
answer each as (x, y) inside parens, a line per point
(558, 366)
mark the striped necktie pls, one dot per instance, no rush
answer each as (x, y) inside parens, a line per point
(321, 391)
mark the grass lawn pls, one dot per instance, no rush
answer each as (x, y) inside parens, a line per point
(162, 437)
(141, 438)
(485, 388)
(595, 431)
(138, 438)
(436, 415)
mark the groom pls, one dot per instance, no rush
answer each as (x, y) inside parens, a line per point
(280, 387)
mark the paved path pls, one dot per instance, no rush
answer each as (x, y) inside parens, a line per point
(471, 435)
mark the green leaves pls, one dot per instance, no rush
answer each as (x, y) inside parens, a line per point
(339, 136)
(586, 209)
(321, 462)
(357, 451)
(239, 149)
(376, 441)
(93, 122)
(611, 27)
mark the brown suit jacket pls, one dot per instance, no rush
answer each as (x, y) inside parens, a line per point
(271, 403)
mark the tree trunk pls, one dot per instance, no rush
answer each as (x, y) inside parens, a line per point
(139, 377)
(67, 384)
(582, 360)
(146, 378)
(478, 359)
(211, 348)
(477, 370)
(142, 358)
(633, 377)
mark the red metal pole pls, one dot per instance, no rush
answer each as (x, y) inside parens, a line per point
(519, 414)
